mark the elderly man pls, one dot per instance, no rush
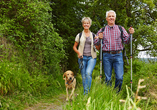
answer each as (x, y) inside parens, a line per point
(112, 49)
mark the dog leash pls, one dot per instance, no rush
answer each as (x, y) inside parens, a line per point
(80, 65)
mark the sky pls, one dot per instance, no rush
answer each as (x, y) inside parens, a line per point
(143, 54)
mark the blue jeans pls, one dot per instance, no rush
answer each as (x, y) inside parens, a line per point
(113, 61)
(86, 66)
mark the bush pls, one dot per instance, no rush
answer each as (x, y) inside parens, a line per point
(27, 24)
(29, 45)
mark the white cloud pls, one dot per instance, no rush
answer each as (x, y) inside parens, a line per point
(143, 54)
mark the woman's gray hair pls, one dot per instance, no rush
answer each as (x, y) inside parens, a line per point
(86, 18)
(109, 12)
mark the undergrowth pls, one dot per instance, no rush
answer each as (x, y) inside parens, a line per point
(102, 97)
(23, 90)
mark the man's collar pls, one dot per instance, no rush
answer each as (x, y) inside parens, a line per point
(111, 26)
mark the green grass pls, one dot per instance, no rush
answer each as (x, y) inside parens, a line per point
(101, 97)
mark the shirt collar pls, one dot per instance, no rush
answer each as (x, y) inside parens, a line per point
(111, 26)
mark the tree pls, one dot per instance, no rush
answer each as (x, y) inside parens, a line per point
(66, 17)
(141, 14)
(28, 25)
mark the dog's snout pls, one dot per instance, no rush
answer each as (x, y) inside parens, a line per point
(70, 78)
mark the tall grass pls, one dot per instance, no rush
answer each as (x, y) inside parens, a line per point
(20, 89)
(13, 77)
(102, 97)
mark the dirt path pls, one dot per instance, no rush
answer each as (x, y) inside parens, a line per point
(56, 103)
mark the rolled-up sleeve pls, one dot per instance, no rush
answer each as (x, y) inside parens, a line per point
(77, 38)
(96, 41)
(126, 36)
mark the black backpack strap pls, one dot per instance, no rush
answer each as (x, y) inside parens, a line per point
(93, 41)
(80, 34)
(121, 30)
(124, 52)
(93, 35)
(103, 29)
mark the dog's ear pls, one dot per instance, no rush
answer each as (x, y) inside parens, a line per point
(73, 73)
(64, 75)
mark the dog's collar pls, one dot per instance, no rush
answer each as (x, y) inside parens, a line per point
(70, 82)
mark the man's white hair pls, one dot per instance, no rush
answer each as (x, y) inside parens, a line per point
(109, 12)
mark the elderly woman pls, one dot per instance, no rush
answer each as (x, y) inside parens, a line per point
(86, 53)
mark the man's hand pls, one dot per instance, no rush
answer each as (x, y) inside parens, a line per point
(131, 30)
(100, 35)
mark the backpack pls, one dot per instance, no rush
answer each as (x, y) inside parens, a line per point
(95, 47)
(124, 52)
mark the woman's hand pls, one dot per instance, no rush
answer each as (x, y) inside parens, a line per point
(75, 49)
(96, 37)
(80, 55)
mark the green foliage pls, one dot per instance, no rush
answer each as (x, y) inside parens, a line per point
(142, 70)
(18, 87)
(101, 95)
(31, 50)
(150, 3)
(28, 25)
(17, 101)
(66, 17)
(139, 14)
(37, 38)
(14, 77)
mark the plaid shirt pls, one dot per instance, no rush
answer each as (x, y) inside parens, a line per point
(112, 38)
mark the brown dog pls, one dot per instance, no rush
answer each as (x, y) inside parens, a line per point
(70, 83)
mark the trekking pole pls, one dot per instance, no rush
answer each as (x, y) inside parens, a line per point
(131, 60)
(100, 59)
(101, 54)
